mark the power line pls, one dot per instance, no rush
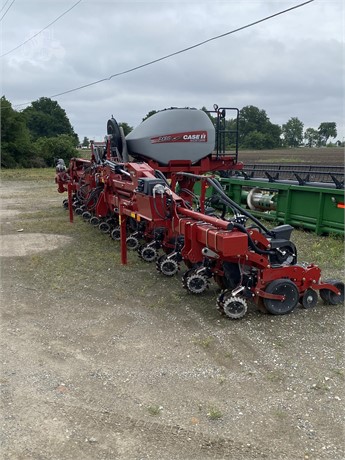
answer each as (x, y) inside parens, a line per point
(44, 28)
(175, 53)
(2, 17)
(3, 6)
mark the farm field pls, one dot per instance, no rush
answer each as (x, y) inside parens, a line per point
(103, 361)
(331, 156)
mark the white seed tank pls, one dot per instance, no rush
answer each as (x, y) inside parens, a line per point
(173, 134)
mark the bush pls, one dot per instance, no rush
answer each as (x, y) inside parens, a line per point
(62, 146)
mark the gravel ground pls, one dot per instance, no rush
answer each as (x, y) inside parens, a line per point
(101, 361)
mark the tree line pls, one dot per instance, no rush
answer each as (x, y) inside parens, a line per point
(36, 135)
(42, 131)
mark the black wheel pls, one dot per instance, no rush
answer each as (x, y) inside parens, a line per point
(334, 298)
(309, 298)
(235, 307)
(148, 254)
(86, 216)
(79, 211)
(132, 243)
(116, 139)
(65, 204)
(94, 221)
(186, 275)
(116, 234)
(329, 297)
(104, 227)
(286, 288)
(169, 267)
(196, 283)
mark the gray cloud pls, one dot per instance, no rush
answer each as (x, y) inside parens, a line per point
(290, 66)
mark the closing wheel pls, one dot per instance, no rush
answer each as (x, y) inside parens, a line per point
(309, 298)
(286, 288)
(196, 284)
(104, 227)
(186, 275)
(116, 234)
(94, 221)
(235, 307)
(169, 267)
(132, 243)
(329, 297)
(148, 254)
(86, 216)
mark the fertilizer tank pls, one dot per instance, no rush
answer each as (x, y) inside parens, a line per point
(172, 135)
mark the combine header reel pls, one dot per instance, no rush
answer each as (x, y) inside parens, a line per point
(140, 191)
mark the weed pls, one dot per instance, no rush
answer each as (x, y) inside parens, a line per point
(204, 343)
(340, 373)
(214, 414)
(154, 410)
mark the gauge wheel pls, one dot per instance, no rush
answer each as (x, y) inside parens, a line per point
(286, 288)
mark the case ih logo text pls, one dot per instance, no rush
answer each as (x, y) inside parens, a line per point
(189, 136)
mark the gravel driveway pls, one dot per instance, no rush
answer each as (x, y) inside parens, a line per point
(101, 361)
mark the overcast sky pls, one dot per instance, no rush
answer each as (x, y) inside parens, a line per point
(290, 66)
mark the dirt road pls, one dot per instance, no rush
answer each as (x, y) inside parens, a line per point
(101, 361)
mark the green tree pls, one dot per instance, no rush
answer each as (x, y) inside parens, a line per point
(311, 137)
(86, 142)
(126, 128)
(293, 132)
(255, 140)
(211, 117)
(61, 146)
(45, 118)
(16, 149)
(254, 120)
(327, 130)
(149, 114)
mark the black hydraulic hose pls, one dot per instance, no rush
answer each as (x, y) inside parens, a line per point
(232, 204)
(243, 229)
(160, 175)
(228, 201)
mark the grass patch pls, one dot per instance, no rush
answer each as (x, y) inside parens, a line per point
(214, 414)
(31, 174)
(279, 160)
(339, 373)
(204, 342)
(327, 252)
(154, 410)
